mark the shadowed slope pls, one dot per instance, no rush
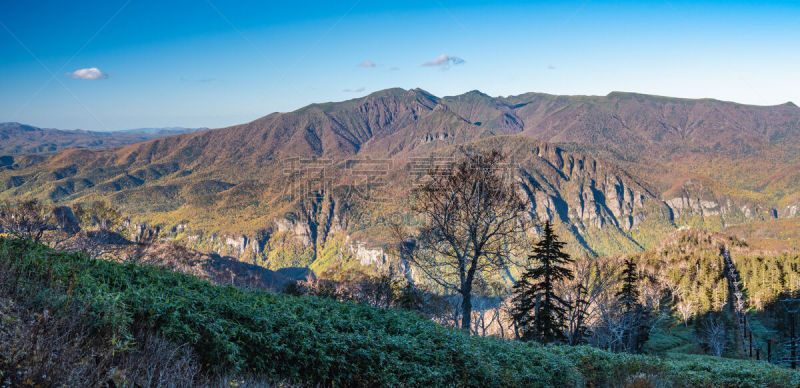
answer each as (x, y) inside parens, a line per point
(618, 171)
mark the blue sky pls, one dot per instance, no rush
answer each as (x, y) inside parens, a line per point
(217, 63)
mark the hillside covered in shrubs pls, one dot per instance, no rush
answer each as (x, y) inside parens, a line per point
(69, 319)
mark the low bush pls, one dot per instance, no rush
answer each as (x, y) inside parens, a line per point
(312, 340)
(43, 348)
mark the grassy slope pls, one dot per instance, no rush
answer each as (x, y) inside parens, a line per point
(314, 340)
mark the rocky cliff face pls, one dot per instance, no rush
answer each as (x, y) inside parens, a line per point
(693, 198)
(586, 191)
(791, 210)
(587, 195)
(613, 170)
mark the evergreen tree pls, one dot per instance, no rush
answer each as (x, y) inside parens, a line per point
(628, 296)
(538, 312)
(635, 315)
(524, 306)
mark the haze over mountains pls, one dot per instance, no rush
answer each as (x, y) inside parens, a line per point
(19, 138)
(615, 172)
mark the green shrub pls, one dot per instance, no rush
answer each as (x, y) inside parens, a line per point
(316, 340)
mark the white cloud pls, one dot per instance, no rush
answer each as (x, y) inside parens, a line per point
(367, 64)
(90, 73)
(357, 90)
(445, 61)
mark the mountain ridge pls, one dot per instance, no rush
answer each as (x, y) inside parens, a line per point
(21, 139)
(616, 171)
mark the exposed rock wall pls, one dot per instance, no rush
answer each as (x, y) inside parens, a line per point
(581, 190)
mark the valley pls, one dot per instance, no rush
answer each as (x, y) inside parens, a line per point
(615, 173)
(584, 194)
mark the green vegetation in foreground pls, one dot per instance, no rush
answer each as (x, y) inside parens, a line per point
(313, 340)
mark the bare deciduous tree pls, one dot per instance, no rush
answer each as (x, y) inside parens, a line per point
(100, 225)
(27, 219)
(686, 308)
(488, 317)
(592, 282)
(471, 217)
(712, 335)
(618, 329)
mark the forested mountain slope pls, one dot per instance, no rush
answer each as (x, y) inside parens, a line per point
(616, 172)
(19, 139)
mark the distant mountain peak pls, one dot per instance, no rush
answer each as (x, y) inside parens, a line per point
(477, 92)
(617, 162)
(396, 92)
(643, 96)
(21, 139)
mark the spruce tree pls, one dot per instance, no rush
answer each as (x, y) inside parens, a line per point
(628, 296)
(524, 303)
(635, 314)
(538, 312)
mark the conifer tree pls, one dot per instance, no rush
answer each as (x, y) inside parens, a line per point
(524, 305)
(629, 294)
(634, 314)
(538, 312)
